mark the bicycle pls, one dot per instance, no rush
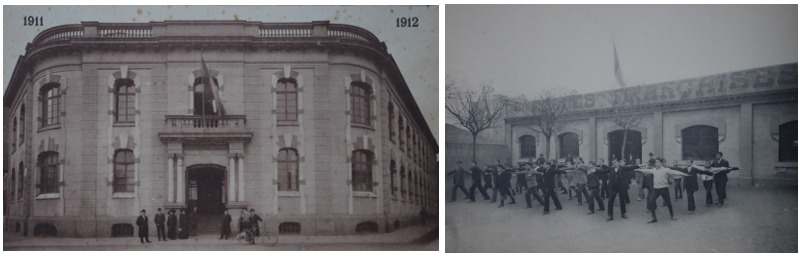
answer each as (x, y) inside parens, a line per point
(265, 237)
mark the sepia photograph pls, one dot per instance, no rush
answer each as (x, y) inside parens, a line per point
(621, 128)
(253, 128)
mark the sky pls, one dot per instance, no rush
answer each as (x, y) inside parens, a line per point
(526, 49)
(415, 50)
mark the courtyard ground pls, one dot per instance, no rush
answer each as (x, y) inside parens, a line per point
(752, 220)
(414, 238)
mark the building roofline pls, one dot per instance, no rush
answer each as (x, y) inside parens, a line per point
(243, 32)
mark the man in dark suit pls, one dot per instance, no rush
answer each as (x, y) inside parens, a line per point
(720, 179)
(549, 171)
(488, 176)
(193, 221)
(504, 185)
(459, 181)
(593, 185)
(159, 220)
(618, 177)
(603, 177)
(254, 220)
(691, 184)
(142, 223)
(476, 176)
(225, 224)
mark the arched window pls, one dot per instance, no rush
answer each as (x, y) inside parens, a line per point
(122, 230)
(48, 172)
(289, 228)
(699, 142)
(21, 175)
(204, 102)
(51, 108)
(45, 229)
(569, 144)
(360, 103)
(788, 137)
(287, 100)
(123, 171)
(392, 177)
(390, 119)
(361, 173)
(528, 146)
(287, 170)
(367, 227)
(124, 93)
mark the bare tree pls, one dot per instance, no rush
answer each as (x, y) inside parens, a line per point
(624, 104)
(548, 113)
(476, 110)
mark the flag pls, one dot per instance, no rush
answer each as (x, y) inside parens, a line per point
(210, 90)
(618, 75)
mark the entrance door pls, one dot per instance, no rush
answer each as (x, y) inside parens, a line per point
(205, 189)
(616, 140)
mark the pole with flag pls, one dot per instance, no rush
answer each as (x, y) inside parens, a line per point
(618, 75)
(210, 89)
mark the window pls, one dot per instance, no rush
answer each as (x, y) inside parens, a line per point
(204, 97)
(392, 177)
(408, 139)
(124, 109)
(699, 142)
(401, 131)
(367, 227)
(360, 103)
(289, 228)
(13, 183)
(361, 171)
(414, 148)
(788, 137)
(22, 124)
(13, 134)
(403, 182)
(528, 147)
(45, 229)
(48, 177)
(287, 100)
(569, 145)
(390, 118)
(21, 175)
(51, 110)
(122, 230)
(123, 171)
(287, 170)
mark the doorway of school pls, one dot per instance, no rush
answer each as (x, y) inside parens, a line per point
(206, 189)
(616, 140)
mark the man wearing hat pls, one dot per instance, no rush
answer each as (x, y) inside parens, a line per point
(142, 223)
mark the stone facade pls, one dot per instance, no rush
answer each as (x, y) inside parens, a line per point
(170, 142)
(745, 108)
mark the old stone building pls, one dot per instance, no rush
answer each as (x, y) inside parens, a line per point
(750, 116)
(310, 124)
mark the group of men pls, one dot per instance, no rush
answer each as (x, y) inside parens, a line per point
(186, 224)
(595, 181)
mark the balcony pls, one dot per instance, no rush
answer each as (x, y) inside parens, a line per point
(205, 128)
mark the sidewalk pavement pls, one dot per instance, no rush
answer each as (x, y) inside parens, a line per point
(406, 235)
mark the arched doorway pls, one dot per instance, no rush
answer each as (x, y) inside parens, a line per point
(616, 140)
(206, 188)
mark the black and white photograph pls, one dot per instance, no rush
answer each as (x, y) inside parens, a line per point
(621, 128)
(253, 128)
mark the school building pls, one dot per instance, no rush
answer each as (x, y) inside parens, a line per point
(310, 124)
(749, 115)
